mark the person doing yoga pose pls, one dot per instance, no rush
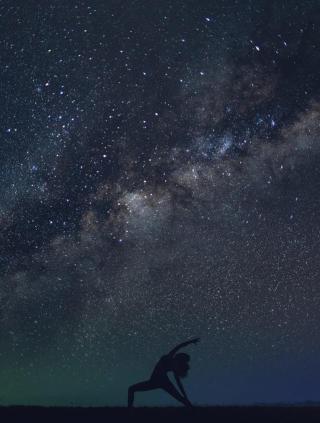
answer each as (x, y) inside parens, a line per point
(178, 363)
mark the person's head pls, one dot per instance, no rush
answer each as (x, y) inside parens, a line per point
(181, 364)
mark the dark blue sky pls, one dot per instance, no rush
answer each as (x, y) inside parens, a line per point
(159, 180)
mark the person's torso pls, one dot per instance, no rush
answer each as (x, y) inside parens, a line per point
(163, 366)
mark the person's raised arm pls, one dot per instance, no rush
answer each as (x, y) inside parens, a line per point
(183, 344)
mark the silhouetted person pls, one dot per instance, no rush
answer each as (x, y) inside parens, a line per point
(172, 362)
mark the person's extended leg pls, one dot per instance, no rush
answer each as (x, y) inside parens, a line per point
(169, 387)
(142, 386)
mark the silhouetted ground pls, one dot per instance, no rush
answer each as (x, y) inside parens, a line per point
(259, 414)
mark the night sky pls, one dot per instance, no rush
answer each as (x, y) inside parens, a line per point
(160, 180)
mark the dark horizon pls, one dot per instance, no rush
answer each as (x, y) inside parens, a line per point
(231, 414)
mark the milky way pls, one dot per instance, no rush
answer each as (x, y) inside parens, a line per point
(159, 180)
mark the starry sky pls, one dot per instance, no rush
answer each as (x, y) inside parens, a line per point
(160, 179)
